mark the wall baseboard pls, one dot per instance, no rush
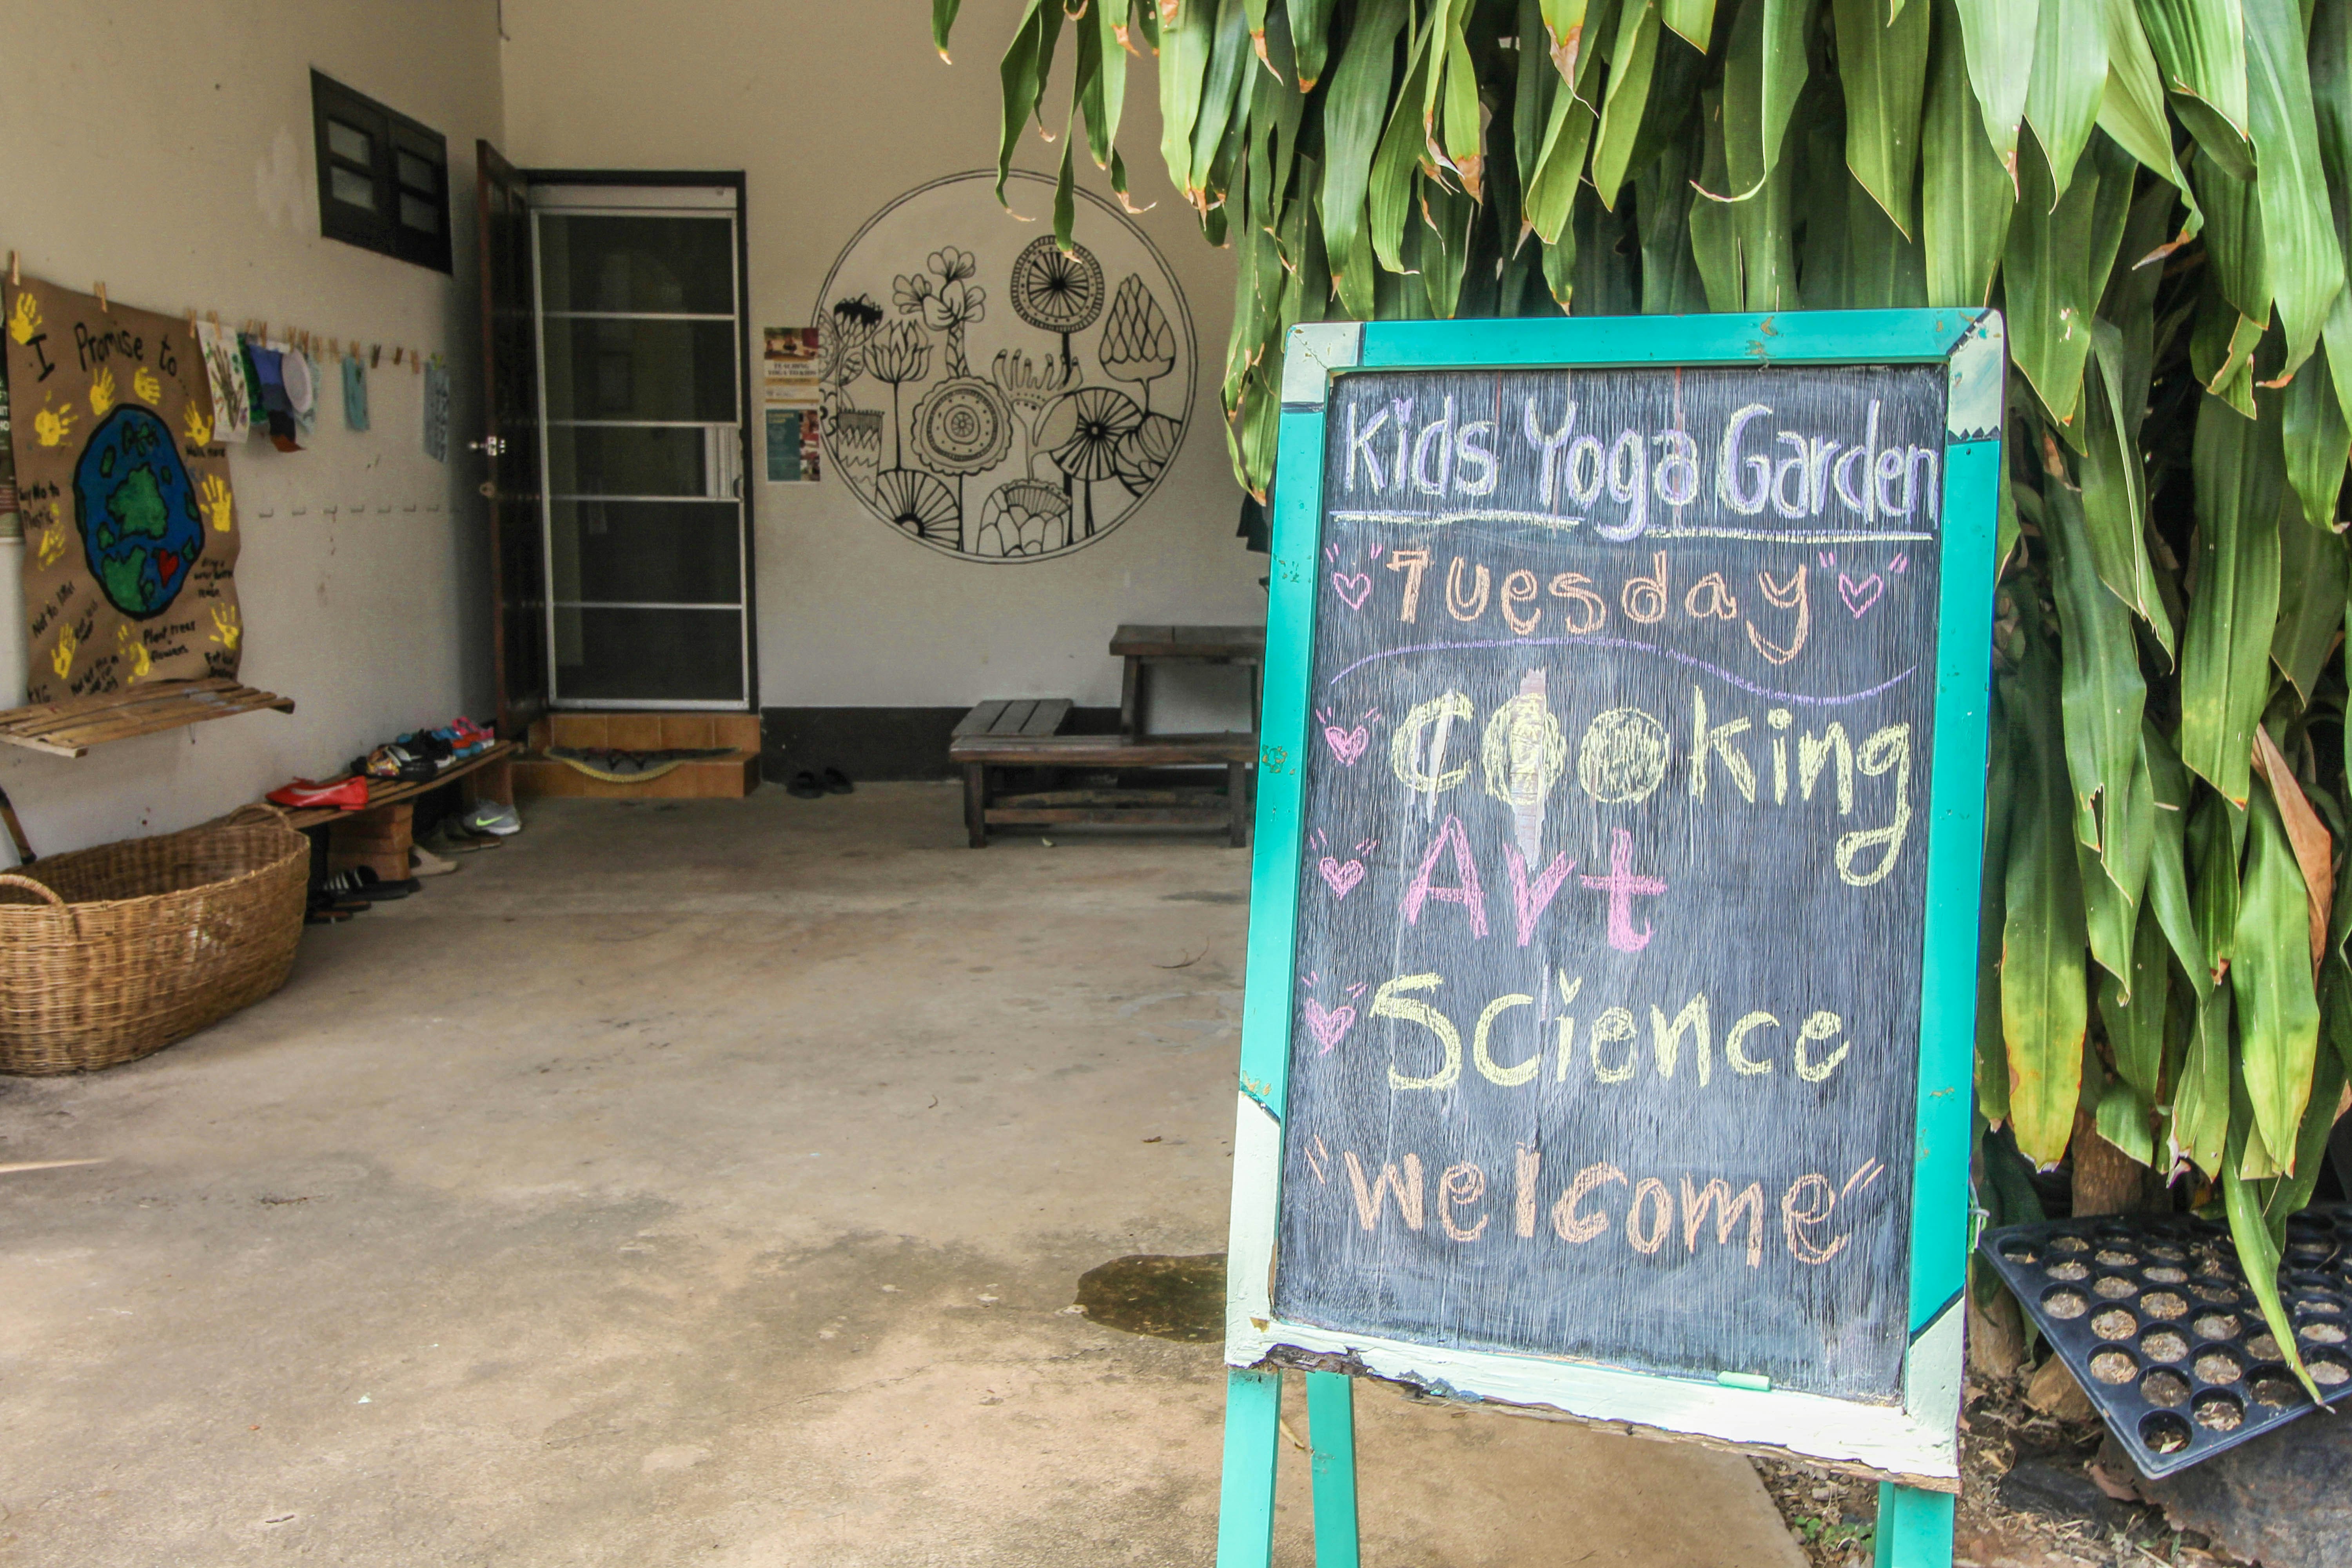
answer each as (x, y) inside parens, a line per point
(880, 744)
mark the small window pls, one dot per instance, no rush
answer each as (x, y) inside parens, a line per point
(384, 179)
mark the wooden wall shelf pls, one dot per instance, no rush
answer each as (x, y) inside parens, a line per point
(69, 729)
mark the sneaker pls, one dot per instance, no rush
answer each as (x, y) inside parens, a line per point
(492, 817)
(396, 762)
(345, 795)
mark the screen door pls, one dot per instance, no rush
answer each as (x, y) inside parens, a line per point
(641, 395)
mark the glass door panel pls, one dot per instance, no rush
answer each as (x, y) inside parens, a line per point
(641, 378)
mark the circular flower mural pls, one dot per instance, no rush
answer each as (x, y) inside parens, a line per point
(991, 395)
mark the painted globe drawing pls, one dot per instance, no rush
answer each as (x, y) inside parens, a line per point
(140, 529)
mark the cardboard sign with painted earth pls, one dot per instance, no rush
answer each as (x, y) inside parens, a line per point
(136, 508)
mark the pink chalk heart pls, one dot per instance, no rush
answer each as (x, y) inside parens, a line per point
(1859, 597)
(1348, 744)
(1342, 876)
(1354, 590)
(1329, 1028)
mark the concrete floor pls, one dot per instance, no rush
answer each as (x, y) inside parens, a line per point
(706, 1183)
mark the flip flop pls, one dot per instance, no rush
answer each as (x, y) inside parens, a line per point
(835, 781)
(362, 883)
(803, 786)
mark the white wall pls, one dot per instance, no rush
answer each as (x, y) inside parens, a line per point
(164, 147)
(833, 108)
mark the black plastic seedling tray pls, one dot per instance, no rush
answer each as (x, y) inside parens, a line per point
(2152, 1315)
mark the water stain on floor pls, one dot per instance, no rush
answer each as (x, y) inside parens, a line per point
(1148, 1293)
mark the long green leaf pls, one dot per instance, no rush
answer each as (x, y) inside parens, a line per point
(1355, 110)
(1185, 46)
(943, 19)
(1966, 194)
(1883, 70)
(1694, 20)
(2225, 651)
(1992, 1050)
(1663, 197)
(2115, 504)
(2167, 893)
(2278, 1011)
(2299, 242)
(2260, 1239)
(2312, 580)
(1764, 72)
(2047, 275)
(1397, 162)
(2331, 101)
(2068, 79)
(2043, 1004)
(1310, 25)
(2200, 48)
(2000, 37)
(2132, 1006)
(2103, 691)
(1230, 55)
(2318, 443)
(2132, 106)
(2201, 1098)
(1631, 63)
(2216, 843)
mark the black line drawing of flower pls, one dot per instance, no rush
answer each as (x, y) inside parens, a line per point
(1058, 290)
(920, 504)
(858, 449)
(841, 354)
(961, 426)
(899, 353)
(1137, 343)
(945, 298)
(1032, 386)
(1020, 516)
(1143, 452)
(1085, 429)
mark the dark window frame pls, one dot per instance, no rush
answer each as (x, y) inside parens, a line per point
(396, 145)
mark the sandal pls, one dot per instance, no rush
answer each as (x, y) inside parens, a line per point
(835, 781)
(362, 883)
(803, 786)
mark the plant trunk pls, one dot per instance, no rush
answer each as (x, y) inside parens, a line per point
(2106, 1180)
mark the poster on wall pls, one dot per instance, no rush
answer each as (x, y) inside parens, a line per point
(986, 392)
(129, 528)
(792, 393)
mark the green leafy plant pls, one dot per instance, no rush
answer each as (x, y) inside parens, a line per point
(2158, 194)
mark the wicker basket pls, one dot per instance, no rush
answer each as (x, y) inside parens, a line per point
(108, 954)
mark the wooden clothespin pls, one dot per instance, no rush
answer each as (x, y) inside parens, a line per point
(14, 277)
(101, 297)
(375, 356)
(396, 353)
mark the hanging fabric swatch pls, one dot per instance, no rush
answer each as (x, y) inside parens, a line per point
(355, 394)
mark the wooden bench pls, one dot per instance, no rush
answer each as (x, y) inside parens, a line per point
(1023, 732)
(1142, 646)
(379, 835)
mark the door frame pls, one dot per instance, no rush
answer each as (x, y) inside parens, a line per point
(733, 179)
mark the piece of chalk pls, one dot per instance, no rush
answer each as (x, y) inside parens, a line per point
(1749, 1380)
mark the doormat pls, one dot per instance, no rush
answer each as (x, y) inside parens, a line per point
(615, 766)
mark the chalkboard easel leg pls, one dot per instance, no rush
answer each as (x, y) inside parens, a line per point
(1331, 1432)
(1252, 1433)
(1914, 1527)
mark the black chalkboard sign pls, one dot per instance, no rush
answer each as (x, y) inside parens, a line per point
(1604, 824)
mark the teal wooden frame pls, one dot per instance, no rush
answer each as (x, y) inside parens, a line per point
(1915, 1447)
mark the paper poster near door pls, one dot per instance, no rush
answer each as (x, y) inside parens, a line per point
(130, 525)
(790, 391)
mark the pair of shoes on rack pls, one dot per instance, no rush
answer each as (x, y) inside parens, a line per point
(810, 784)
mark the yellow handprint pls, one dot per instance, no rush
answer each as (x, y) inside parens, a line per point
(25, 319)
(147, 384)
(213, 498)
(50, 425)
(61, 658)
(195, 424)
(53, 541)
(135, 648)
(101, 392)
(226, 628)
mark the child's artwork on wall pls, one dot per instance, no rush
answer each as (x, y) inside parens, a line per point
(130, 526)
(990, 394)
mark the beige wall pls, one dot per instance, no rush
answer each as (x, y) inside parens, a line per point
(164, 147)
(833, 108)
